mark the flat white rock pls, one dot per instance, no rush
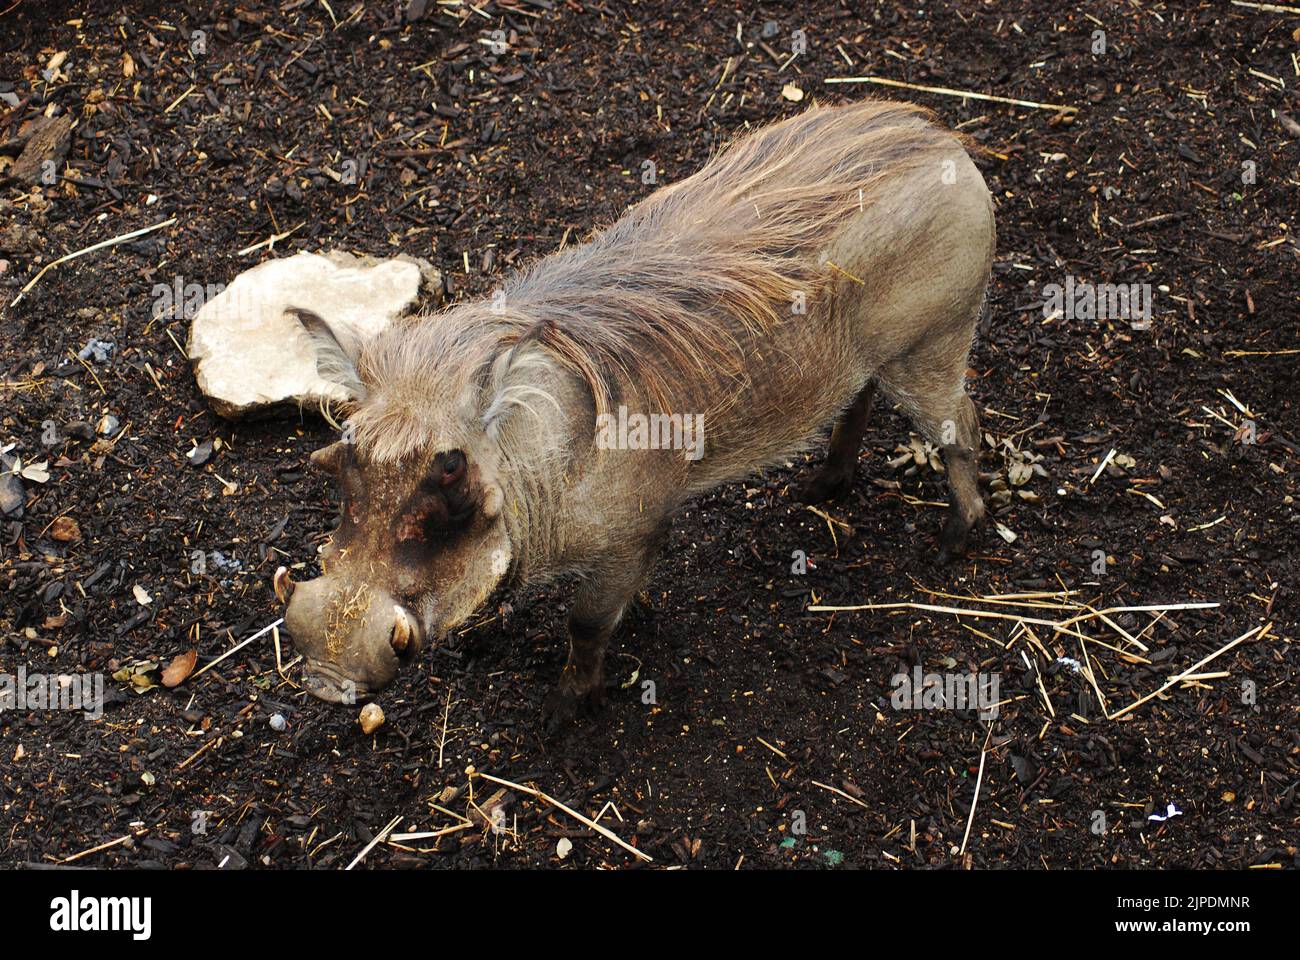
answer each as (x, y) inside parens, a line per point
(251, 358)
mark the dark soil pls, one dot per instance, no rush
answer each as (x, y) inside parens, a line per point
(482, 161)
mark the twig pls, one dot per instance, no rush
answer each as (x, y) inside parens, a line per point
(979, 779)
(442, 741)
(1101, 615)
(1060, 625)
(431, 834)
(1130, 655)
(1092, 678)
(270, 241)
(1144, 608)
(999, 602)
(1042, 687)
(113, 241)
(1101, 466)
(280, 665)
(831, 522)
(1039, 595)
(102, 846)
(379, 838)
(837, 790)
(172, 106)
(451, 813)
(603, 831)
(932, 608)
(1266, 7)
(1192, 669)
(238, 646)
(89, 370)
(949, 92)
(198, 753)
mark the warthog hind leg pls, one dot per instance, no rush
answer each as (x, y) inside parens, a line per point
(930, 385)
(961, 459)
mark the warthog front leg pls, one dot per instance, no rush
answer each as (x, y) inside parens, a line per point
(835, 479)
(598, 608)
(582, 681)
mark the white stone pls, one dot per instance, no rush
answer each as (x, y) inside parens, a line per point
(251, 358)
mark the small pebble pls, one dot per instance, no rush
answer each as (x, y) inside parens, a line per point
(65, 530)
(98, 350)
(201, 454)
(12, 496)
(278, 723)
(371, 719)
(80, 429)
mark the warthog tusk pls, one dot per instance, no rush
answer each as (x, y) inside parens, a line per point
(402, 629)
(283, 584)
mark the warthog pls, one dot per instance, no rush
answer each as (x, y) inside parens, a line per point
(532, 434)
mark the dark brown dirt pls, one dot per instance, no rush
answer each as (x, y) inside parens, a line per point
(481, 161)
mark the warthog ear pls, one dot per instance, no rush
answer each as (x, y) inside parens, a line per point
(507, 386)
(336, 351)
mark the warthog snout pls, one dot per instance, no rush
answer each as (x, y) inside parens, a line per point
(353, 637)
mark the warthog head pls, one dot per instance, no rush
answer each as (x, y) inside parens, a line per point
(420, 544)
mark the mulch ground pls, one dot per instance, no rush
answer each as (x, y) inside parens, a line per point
(772, 740)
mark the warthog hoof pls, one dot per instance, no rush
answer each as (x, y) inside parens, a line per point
(639, 609)
(956, 539)
(825, 486)
(564, 703)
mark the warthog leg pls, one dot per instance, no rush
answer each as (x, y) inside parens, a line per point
(835, 479)
(962, 462)
(598, 607)
(582, 681)
(930, 385)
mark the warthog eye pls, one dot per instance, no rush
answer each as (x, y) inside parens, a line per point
(453, 468)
